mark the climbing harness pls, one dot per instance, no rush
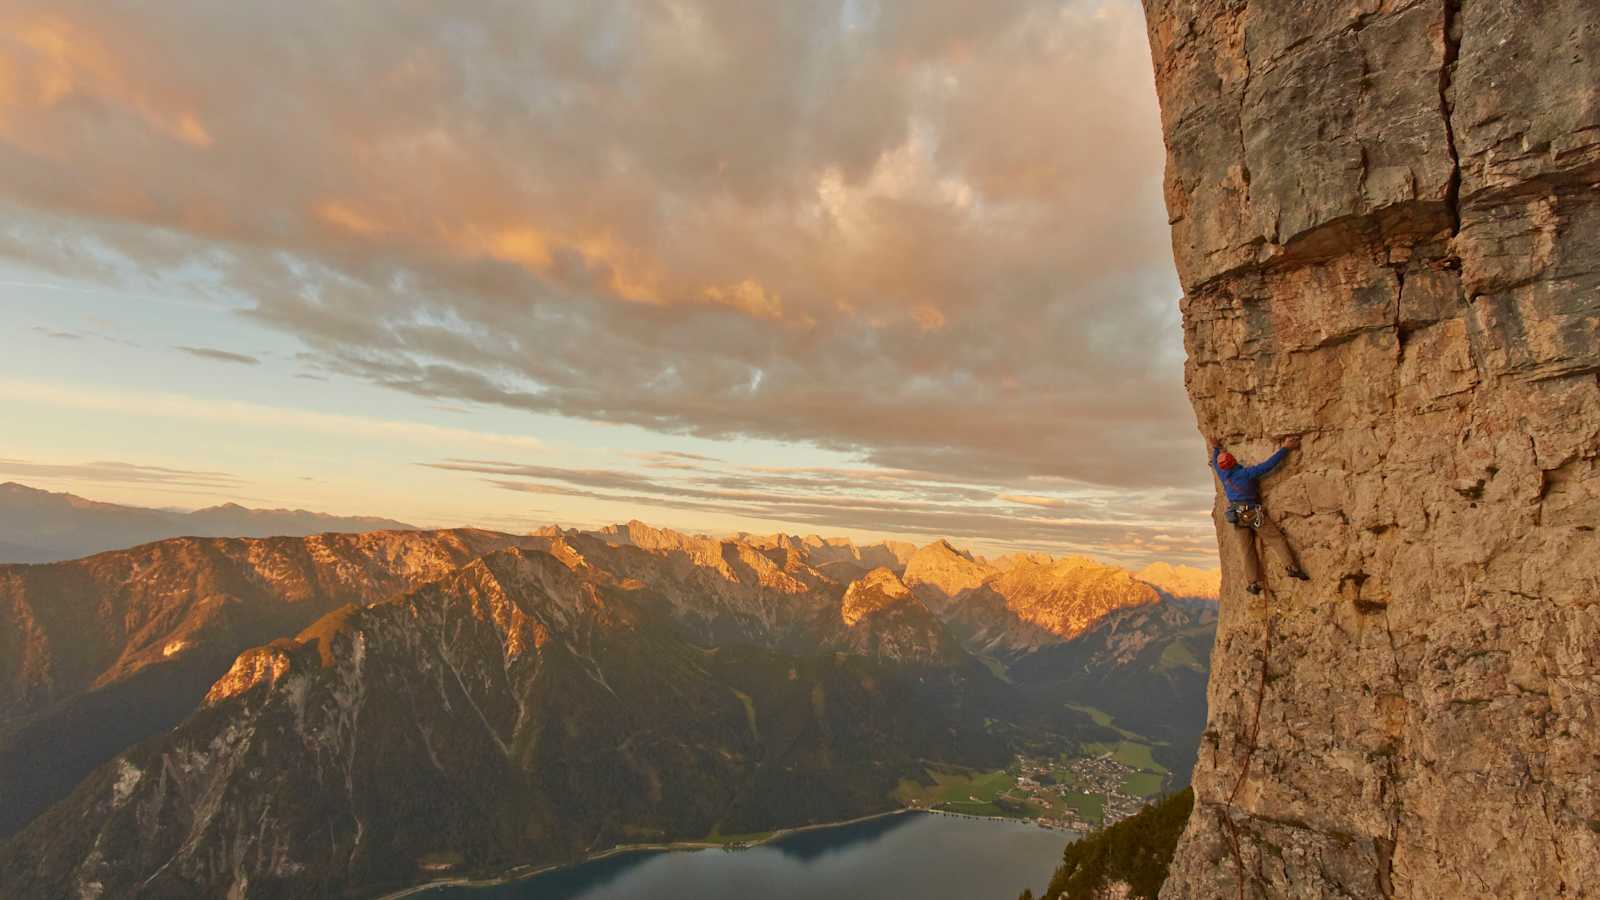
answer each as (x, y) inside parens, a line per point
(1244, 515)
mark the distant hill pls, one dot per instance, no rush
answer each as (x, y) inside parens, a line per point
(39, 526)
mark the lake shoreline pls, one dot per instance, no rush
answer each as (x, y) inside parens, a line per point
(518, 873)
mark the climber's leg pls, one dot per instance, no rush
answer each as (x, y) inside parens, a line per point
(1245, 539)
(1274, 541)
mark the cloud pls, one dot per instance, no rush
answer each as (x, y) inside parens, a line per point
(902, 503)
(1026, 500)
(220, 355)
(64, 334)
(117, 472)
(58, 334)
(930, 235)
(166, 405)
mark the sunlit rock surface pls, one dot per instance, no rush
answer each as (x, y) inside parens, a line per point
(1385, 219)
(1182, 581)
(1019, 603)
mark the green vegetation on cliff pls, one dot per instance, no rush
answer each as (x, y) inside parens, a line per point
(1137, 851)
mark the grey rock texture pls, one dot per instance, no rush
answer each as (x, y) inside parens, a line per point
(1386, 220)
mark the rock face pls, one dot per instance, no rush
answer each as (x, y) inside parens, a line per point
(887, 621)
(1386, 220)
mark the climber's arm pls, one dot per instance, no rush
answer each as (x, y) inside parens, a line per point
(1267, 465)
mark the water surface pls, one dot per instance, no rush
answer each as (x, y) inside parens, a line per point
(931, 857)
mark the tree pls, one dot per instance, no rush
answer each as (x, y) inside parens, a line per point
(1136, 850)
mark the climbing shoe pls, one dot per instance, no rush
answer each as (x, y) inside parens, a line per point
(1253, 587)
(1299, 575)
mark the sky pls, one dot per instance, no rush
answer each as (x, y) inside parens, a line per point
(848, 267)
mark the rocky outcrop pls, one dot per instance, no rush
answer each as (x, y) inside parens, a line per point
(885, 620)
(1020, 603)
(939, 573)
(879, 590)
(1064, 597)
(1386, 220)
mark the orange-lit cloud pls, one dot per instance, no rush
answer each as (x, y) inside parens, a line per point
(49, 61)
(928, 317)
(748, 296)
(348, 219)
(927, 234)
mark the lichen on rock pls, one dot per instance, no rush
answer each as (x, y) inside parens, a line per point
(1386, 221)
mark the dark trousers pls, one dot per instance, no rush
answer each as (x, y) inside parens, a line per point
(1259, 525)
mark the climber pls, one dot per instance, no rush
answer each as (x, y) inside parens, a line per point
(1242, 486)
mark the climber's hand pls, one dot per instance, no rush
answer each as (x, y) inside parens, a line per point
(1292, 442)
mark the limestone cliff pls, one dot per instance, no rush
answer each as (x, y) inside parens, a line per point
(1385, 219)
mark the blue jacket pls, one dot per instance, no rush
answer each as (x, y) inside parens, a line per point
(1242, 483)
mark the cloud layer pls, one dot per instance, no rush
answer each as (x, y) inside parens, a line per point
(1160, 524)
(216, 355)
(117, 472)
(928, 233)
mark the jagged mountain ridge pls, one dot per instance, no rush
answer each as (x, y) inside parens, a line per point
(886, 620)
(164, 621)
(39, 526)
(1019, 604)
(101, 652)
(1182, 581)
(529, 707)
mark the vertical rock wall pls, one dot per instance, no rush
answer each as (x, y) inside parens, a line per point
(1386, 217)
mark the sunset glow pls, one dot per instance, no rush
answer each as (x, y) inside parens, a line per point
(830, 267)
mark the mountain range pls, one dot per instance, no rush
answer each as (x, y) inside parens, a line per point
(300, 716)
(44, 526)
(101, 652)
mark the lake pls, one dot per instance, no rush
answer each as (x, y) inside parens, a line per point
(932, 857)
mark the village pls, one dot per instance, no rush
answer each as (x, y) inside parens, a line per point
(1081, 793)
(1074, 793)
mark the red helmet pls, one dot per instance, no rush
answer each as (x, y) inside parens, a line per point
(1226, 461)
